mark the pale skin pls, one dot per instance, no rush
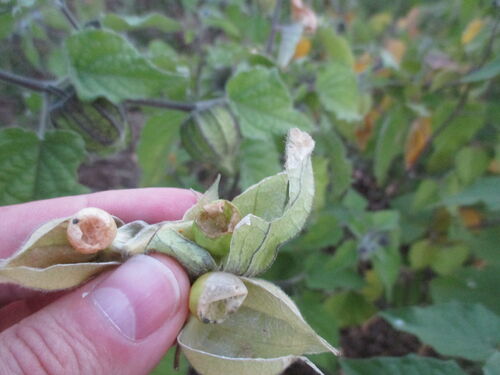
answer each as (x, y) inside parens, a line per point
(64, 332)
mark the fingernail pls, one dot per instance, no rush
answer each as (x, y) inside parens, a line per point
(138, 297)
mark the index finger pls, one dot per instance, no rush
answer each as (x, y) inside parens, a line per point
(152, 205)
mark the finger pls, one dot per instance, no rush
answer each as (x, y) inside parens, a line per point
(120, 323)
(151, 205)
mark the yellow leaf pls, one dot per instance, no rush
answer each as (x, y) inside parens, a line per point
(396, 48)
(362, 63)
(494, 166)
(471, 217)
(417, 139)
(471, 31)
(302, 49)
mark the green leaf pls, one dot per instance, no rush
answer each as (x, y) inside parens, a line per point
(492, 365)
(104, 64)
(389, 143)
(323, 231)
(321, 181)
(259, 159)
(32, 169)
(158, 21)
(410, 364)
(484, 190)
(489, 71)
(469, 285)
(335, 149)
(263, 104)
(329, 272)
(336, 47)
(458, 132)
(469, 331)
(338, 91)
(157, 139)
(471, 163)
(263, 337)
(255, 241)
(6, 24)
(349, 308)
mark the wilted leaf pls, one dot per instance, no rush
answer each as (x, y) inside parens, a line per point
(416, 141)
(471, 31)
(240, 346)
(31, 168)
(338, 91)
(410, 364)
(263, 104)
(104, 64)
(255, 240)
(154, 20)
(456, 329)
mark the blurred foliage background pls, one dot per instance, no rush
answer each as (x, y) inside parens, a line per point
(399, 263)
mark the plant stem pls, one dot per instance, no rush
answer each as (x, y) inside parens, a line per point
(274, 27)
(29, 83)
(42, 124)
(180, 106)
(68, 14)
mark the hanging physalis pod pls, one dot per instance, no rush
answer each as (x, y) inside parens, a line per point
(91, 230)
(212, 135)
(101, 123)
(216, 295)
(214, 225)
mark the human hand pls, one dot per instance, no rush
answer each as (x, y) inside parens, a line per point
(121, 322)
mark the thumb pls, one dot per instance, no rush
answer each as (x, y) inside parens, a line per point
(121, 323)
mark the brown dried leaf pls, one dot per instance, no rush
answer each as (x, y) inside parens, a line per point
(417, 139)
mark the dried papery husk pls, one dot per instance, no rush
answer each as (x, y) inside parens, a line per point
(215, 296)
(91, 230)
(263, 337)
